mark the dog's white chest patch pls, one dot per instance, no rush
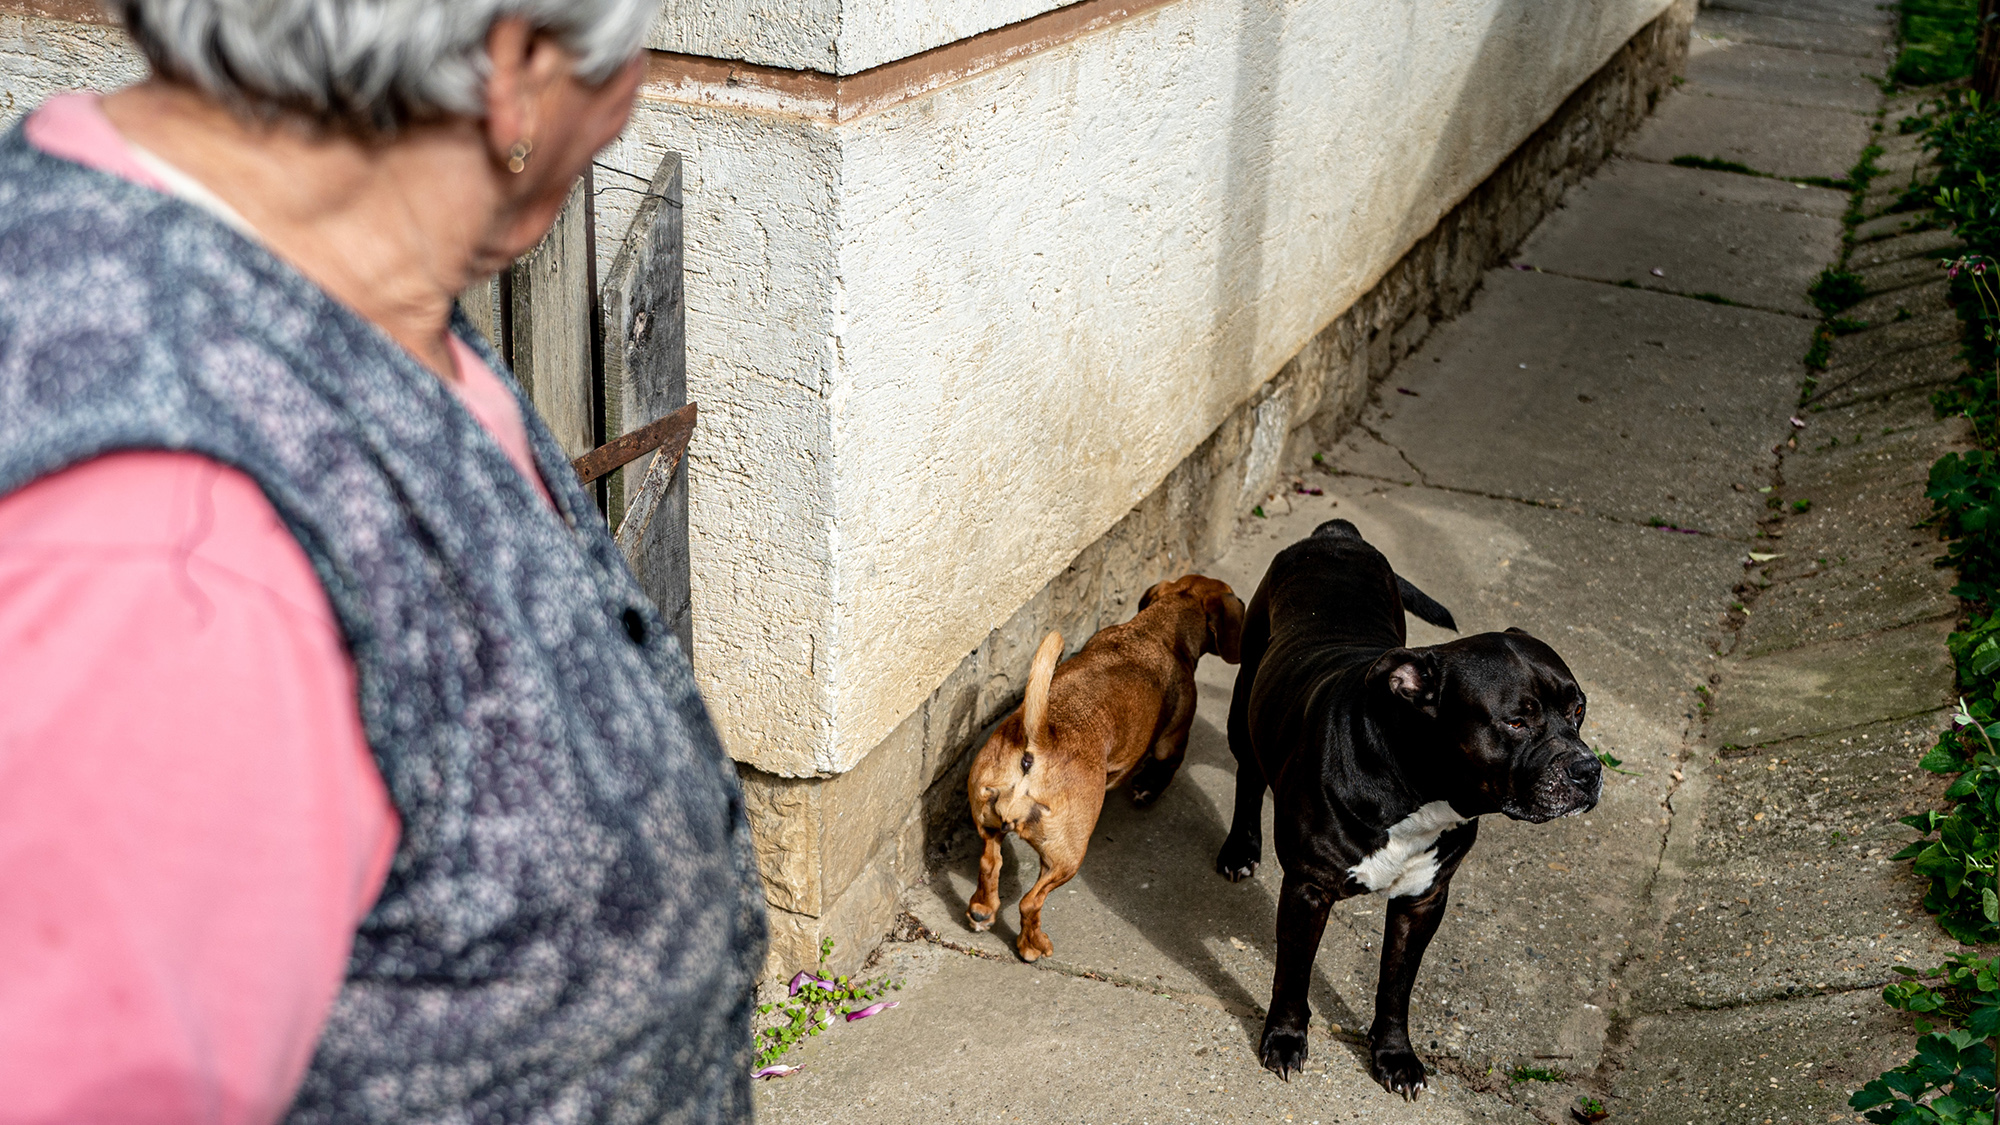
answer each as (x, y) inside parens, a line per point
(1406, 865)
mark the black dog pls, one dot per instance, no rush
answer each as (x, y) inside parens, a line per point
(1382, 757)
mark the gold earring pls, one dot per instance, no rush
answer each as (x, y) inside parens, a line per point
(517, 157)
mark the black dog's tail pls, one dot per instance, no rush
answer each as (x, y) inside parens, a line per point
(1424, 606)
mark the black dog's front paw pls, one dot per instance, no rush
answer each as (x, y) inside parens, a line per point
(1398, 1070)
(1150, 783)
(1283, 1051)
(1237, 860)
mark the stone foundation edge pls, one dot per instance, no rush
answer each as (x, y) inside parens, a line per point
(836, 853)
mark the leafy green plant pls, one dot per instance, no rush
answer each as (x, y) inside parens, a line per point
(816, 1000)
(1956, 1010)
(1965, 493)
(1612, 763)
(1962, 860)
(1534, 1074)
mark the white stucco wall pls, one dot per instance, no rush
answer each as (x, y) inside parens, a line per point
(1033, 293)
(831, 36)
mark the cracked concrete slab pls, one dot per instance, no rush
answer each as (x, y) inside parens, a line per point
(1852, 13)
(1917, 302)
(1922, 244)
(1866, 41)
(1834, 685)
(1927, 367)
(1753, 72)
(1781, 140)
(1794, 1062)
(1848, 597)
(1889, 226)
(1043, 1046)
(1753, 241)
(1786, 888)
(1574, 379)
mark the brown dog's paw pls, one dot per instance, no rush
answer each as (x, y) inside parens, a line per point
(979, 920)
(1034, 947)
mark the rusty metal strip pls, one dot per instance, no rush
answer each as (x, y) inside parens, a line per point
(669, 435)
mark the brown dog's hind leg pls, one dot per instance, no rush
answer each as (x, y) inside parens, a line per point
(1060, 836)
(986, 900)
(1035, 944)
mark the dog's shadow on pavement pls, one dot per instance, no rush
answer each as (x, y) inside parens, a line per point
(1155, 868)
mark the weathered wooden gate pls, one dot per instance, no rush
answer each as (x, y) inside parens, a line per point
(605, 361)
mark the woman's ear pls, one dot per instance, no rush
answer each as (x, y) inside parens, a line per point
(1225, 627)
(1409, 674)
(511, 115)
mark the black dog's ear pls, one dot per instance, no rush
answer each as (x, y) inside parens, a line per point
(1225, 627)
(1410, 675)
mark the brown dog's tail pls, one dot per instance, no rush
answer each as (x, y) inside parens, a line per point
(1035, 708)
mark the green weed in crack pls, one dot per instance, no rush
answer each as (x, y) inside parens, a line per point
(816, 1000)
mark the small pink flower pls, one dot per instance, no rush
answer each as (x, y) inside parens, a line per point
(870, 1010)
(1953, 271)
(805, 978)
(778, 1071)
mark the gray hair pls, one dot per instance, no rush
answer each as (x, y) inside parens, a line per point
(367, 66)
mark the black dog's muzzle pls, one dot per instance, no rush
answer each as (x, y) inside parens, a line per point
(1567, 781)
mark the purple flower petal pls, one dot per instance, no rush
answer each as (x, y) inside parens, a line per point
(799, 982)
(1798, 423)
(872, 1009)
(1658, 272)
(777, 1071)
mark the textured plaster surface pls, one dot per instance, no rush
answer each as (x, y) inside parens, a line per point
(1034, 292)
(42, 57)
(831, 36)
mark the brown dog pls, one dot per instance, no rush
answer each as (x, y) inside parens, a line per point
(1120, 708)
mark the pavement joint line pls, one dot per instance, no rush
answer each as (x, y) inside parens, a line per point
(1828, 388)
(1841, 51)
(1635, 287)
(1422, 478)
(1746, 1004)
(1880, 396)
(1051, 965)
(1831, 731)
(1789, 103)
(1544, 505)
(1724, 6)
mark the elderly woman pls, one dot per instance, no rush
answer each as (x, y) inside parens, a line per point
(345, 771)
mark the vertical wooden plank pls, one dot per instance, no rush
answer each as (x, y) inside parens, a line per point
(645, 376)
(481, 304)
(550, 328)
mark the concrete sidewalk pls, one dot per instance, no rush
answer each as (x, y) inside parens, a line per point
(1584, 454)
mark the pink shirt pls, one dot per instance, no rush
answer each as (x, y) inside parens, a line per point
(191, 822)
